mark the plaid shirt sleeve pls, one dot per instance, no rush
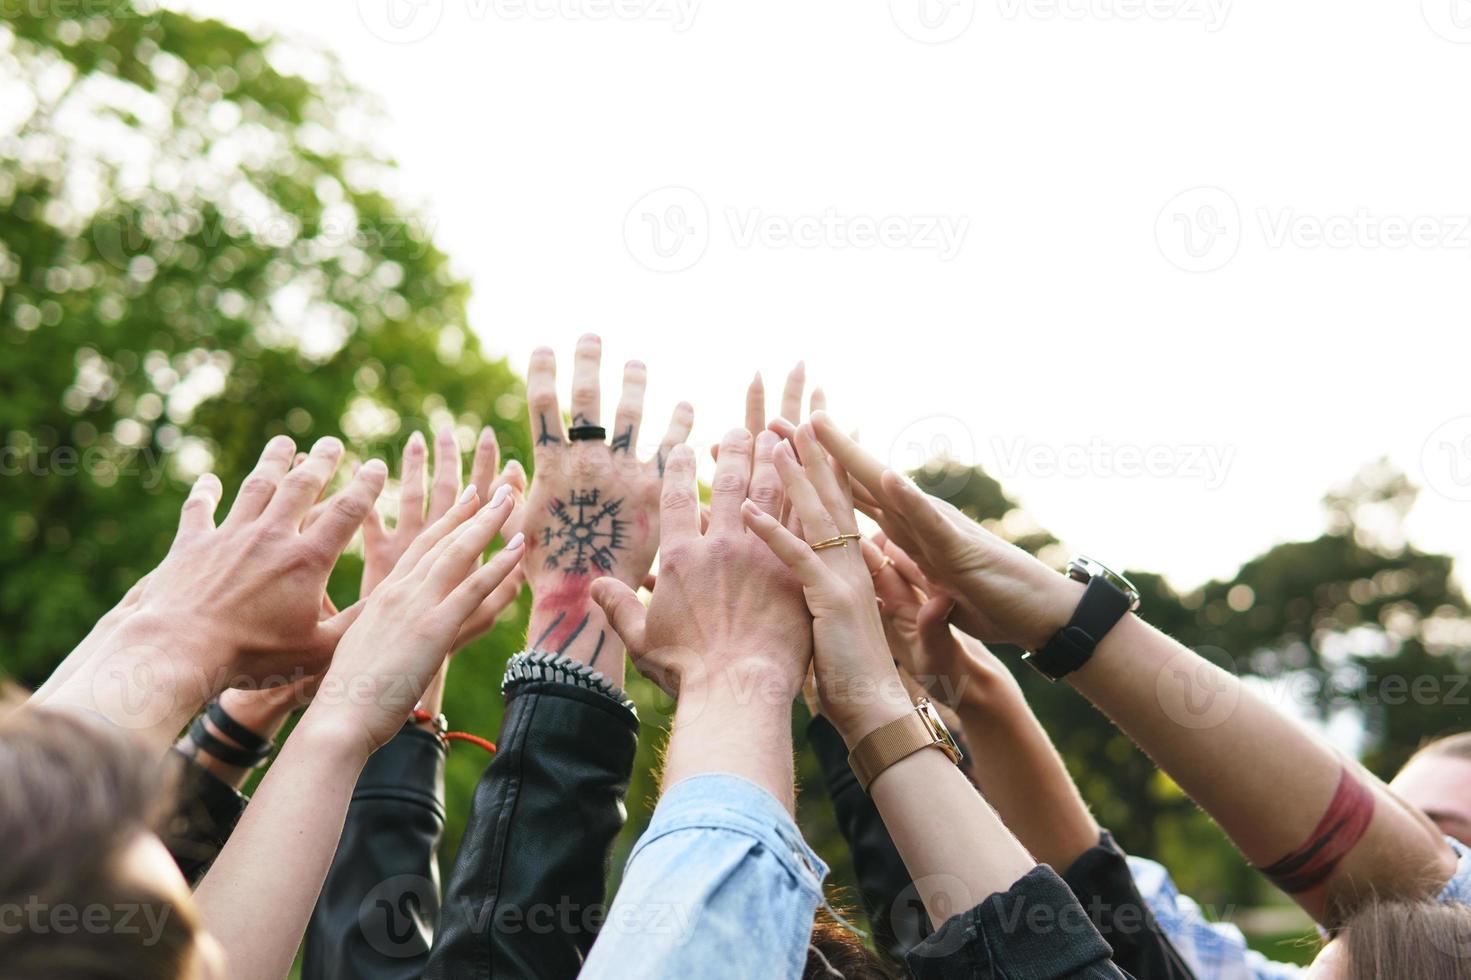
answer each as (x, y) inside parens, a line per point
(1218, 950)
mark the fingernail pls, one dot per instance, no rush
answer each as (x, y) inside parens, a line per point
(516, 541)
(416, 442)
(328, 444)
(468, 495)
(501, 493)
(373, 466)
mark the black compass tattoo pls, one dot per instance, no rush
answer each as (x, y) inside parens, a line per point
(584, 533)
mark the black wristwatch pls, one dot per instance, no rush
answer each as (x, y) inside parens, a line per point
(1108, 598)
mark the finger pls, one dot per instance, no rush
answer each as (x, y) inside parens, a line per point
(906, 567)
(473, 591)
(301, 487)
(837, 502)
(347, 509)
(756, 406)
(445, 485)
(411, 484)
(585, 366)
(783, 427)
(790, 549)
(259, 486)
(932, 624)
(329, 631)
(198, 513)
(450, 561)
(679, 505)
(680, 424)
(817, 523)
(766, 488)
(864, 468)
(487, 460)
(541, 399)
(732, 477)
(373, 530)
(630, 408)
(888, 584)
(298, 459)
(328, 608)
(704, 519)
(421, 549)
(625, 613)
(514, 475)
(490, 609)
(791, 394)
(919, 511)
(650, 580)
(818, 402)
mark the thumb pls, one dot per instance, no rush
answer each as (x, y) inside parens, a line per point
(625, 613)
(933, 624)
(198, 513)
(331, 629)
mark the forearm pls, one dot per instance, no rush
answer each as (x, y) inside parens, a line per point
(567, 621)
(1258, 773)
(142, 679)
(957, 850)
(734, 724)
(1024, 778)
(258, 896)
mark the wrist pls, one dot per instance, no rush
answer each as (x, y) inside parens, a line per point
(576, 627)
(865, 703)
(1059, 595)
(333, 734)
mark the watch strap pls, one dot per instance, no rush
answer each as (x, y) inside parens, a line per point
(1102, 606)
(890, 742)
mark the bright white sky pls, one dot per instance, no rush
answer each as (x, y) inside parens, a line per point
(1005, 230)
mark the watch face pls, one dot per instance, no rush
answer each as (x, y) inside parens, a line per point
(938, 727)
(1085, 569)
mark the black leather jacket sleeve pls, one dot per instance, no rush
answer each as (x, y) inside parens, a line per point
(1101, 880)
(206, 812)
(528, 891)
(374, 919)
(895, 913)
(1035, 929)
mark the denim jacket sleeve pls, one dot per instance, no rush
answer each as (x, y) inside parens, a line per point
(529, 887)
(720, 885)
(1035, 930)
(376, 913)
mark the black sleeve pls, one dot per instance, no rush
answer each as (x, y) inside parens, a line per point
(1036, 929)
(375, 917)
(895, 913)
(1101, 881)
(528, 891)
(207, 810)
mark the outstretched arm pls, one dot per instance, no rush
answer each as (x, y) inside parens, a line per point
(259, 894)
(1327, 831)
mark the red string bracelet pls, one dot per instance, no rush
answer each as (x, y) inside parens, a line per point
(423, 716)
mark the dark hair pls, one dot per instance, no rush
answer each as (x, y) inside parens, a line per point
(835, 951)
(1423, 940)
(78, 792)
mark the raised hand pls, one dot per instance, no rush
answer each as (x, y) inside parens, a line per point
(232, 604)
(383, 547)
(857, 683)
(1002, 594)
(724, 603)
(388, 656)
(593, 509)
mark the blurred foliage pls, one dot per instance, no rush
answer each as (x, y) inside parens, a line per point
(199, 249)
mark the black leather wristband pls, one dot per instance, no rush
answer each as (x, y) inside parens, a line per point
(230, 755)
(249, 741)
(1103, 604)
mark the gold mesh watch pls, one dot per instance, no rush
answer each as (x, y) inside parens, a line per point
(900, 738)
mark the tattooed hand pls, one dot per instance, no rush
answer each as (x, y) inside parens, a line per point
(593, 509)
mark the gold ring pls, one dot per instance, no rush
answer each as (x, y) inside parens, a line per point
(837, 542)
(879, 571)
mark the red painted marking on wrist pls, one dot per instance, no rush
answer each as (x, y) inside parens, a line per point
(1342, 827)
